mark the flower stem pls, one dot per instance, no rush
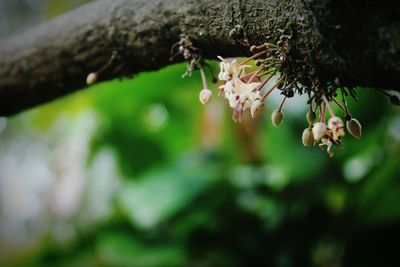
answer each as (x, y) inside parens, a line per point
(310, 106)
(108, 64)
(340, 106)
(282, 103)
(310, 100)
(264, 82)
(259, 47)
(382, 92)
(203, 77)
(328, 106)
(254, 75)
(253, 57)
(268, 72)
(272, 88)
(322, 113)
(244, 77)
(344, 102)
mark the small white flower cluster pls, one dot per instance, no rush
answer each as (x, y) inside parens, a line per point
(244, 88)
(240, 94)
(329, 134)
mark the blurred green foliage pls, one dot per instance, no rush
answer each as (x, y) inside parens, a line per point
(182, 203)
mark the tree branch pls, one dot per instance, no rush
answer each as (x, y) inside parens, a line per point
(357, 41)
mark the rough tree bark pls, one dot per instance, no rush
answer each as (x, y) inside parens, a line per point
(355, 40)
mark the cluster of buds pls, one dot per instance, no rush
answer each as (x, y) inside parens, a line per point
(247, 83)
(331, 133)
(246, 88)
(240, 93)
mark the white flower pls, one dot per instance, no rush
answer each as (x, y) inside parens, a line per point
(233, 100)
(245, 93)
(319, 130)
(336, 127)
(240, 95)
(229, 69)
(223, 75)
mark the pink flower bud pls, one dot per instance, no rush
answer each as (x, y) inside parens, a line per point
(205, 96)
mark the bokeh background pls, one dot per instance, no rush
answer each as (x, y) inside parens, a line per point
(136, 172)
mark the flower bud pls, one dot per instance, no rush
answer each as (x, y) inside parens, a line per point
(307, 137)
(319, 130)
(91, 78)
(205, 96)
(276, 117)
(253, 49)
(354, 128)
(256, 108)
(311, 117)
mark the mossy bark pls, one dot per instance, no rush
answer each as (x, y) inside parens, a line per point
(356, 41)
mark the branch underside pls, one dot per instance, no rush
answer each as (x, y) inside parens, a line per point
(356, 41)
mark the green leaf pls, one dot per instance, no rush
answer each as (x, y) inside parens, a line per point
(161, 192)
